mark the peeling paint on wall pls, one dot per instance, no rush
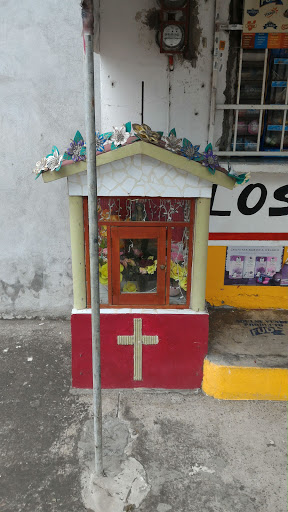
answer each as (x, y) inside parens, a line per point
(37, 282)
(11, 290)
(151, 19)
(192, 50)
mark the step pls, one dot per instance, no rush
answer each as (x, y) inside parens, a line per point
(248, 355)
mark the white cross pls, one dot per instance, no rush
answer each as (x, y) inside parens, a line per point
(137, 340)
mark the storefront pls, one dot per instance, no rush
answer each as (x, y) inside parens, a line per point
(247, 263)
(248, 243)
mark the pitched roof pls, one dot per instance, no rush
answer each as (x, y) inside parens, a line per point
(153, 151)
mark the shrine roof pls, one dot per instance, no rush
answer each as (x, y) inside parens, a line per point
(143, 148)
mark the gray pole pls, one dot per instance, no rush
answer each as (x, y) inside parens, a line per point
(88, 22)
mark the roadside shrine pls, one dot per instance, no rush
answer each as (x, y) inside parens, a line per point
(153, 212)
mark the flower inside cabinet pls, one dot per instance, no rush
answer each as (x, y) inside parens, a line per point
(145, 251)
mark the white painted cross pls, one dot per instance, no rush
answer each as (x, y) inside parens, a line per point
(137, 340)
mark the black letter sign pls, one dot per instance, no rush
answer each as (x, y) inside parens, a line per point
(219, 213)
(280, 194)
(242, 199)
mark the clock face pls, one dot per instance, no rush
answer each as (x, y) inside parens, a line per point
(172, 36)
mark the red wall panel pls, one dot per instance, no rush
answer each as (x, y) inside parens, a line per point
(174, 363)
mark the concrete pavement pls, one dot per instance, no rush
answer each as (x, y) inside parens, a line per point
(178, 451)
(248, 355)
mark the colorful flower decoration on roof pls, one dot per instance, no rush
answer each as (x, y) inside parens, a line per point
(189, 151)
(240, 178)
(120, 136)
(54, 160)
(172, 143)
(41, 166)
(100, 141)
(210, 160)
(77, 149)
(144, 132)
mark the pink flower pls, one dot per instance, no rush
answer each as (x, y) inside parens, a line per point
(137, 252)
(124, 262)
(176, 256)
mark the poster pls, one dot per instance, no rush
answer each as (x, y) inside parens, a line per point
(265, 24)
(255, 266)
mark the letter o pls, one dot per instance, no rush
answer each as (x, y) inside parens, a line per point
(242, 199)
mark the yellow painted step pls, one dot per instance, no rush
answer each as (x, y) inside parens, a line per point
(244, 383)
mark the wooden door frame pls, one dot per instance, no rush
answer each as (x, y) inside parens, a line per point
(133, 232)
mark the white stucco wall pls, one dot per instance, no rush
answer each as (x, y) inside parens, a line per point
(130, 55)
(41, 91)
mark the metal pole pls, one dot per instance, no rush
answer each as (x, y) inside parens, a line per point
(88, 22)
(214, 74)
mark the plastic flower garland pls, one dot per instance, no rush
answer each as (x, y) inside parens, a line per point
(172, 143)
(210, 160)
(128, 134)
(144, 132)
(77, 149)
(52, 162)
(100, 140)
(189, 151)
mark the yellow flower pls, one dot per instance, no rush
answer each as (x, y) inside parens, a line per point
(103, 231)
(103, 273)
(152, 268)
(130, 287)
(183, 283)
(177, 272)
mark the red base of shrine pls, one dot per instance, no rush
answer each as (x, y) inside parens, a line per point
(176, 362)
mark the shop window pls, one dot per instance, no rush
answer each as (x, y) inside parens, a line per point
(259, 116)
(145, 251)
(253, 120)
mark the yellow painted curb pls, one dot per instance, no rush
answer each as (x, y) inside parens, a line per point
(244, 383)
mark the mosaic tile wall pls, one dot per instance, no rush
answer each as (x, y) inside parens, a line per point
(141, 175)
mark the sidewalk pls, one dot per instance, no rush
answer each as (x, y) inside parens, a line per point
(164, 451)
(248, 355)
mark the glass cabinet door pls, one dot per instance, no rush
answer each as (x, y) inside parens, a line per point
(138, 265)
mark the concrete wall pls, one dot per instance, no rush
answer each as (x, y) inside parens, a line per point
(130, 55)
(41, 90)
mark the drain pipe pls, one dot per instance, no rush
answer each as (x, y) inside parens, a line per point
(88, 27)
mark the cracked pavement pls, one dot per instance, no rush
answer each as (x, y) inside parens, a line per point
(163, 451)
